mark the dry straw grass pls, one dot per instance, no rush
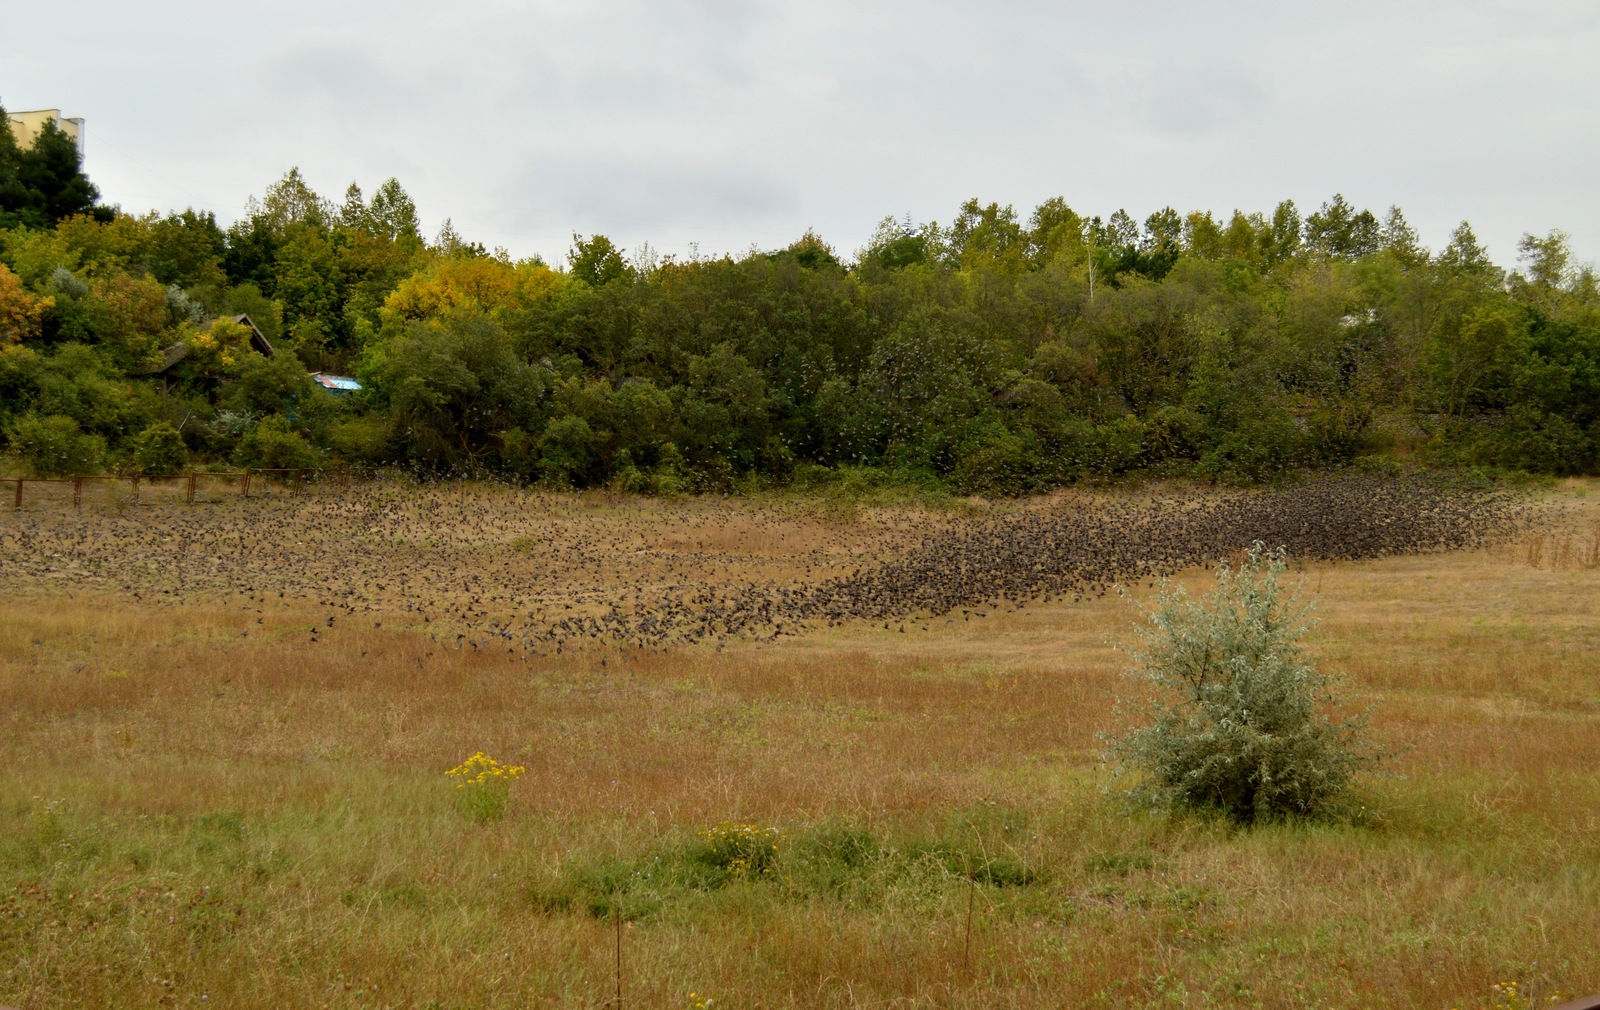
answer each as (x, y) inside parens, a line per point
(199, 797)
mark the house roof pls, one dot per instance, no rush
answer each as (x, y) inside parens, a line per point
(258, 340)
(175, 353)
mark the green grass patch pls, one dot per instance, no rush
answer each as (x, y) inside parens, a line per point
(830, 862)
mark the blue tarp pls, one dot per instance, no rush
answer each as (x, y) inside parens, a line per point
(337, 384)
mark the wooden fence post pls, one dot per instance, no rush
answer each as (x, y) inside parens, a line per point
(299, 486)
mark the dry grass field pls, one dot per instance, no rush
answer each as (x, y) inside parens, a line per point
(224, 731)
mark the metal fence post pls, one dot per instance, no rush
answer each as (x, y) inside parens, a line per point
(136, 489)
(299, 475)
(191, 489)
(246, 491)
(77, 492)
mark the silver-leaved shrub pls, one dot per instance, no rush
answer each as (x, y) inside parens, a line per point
(1239, 721)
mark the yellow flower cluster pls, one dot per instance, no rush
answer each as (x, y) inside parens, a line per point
(1510, 996)
(481, 770)
(744, 849)
(699, 1002)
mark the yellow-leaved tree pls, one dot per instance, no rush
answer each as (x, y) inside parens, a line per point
(218, 347)
(21, 313)
(469, 284)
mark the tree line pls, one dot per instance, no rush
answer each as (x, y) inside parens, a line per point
(993, 354)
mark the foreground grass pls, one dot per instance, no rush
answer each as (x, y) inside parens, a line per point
(200, 809)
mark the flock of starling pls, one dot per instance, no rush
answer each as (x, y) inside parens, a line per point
(531, 574)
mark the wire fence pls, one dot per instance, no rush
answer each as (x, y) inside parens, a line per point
(197, 487)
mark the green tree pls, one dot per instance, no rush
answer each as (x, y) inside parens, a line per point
(79, 382)
(1548, 261)
(1055, 230)
(1549, 271)
(257, 384)
(1469, 357)
(896, 245)
(1247, 237)
(1339, 230)
(1401, 241)
(53, 168)
(1281, 239)
(187, 248)
(44, 183)
(253, 241)
(289, 201)
(1464, 255)
(14, 196)
(987, 236)
(811, 252)
(1161, 244)
(452, 385)
(1202, 236)
(1115, 246)
(595, 261)
(306, 281)
(393, 215)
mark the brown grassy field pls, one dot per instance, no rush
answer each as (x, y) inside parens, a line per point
(225, 732)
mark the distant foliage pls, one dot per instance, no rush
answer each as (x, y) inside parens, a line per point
(997, 354)
(1242, 722)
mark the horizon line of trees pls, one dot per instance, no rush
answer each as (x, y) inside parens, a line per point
(994, 354)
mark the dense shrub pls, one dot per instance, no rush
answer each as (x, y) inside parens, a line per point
(272, 444)
(359, 439)
(261, 385)
(567, 450)
(1240, 723)
(160, 449)
(993, 461)
(54, 446)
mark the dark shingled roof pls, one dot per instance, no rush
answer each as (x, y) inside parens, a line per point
(177, 352)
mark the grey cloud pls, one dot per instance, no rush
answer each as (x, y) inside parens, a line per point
(642, 197)
(613, 59)
(324, 70)
(1195, 101)
(740, 121)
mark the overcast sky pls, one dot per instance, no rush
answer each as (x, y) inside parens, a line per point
(732, 123)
